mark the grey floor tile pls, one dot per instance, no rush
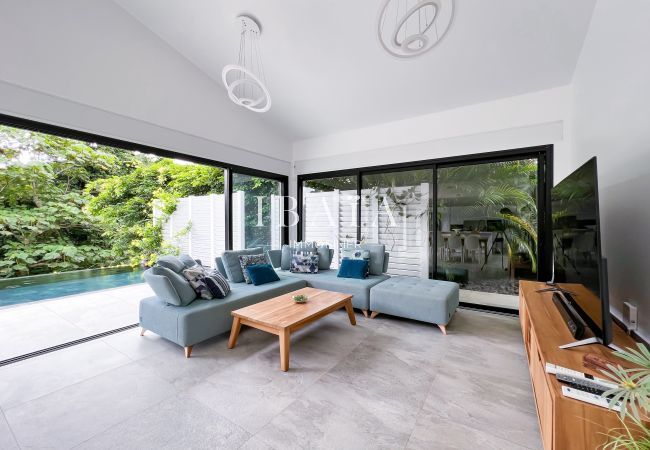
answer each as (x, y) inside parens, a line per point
(32, 378)
(72, 415)
(7, 441)
(178, 423)
(334, 415)
(22, 330)
(136, 347)
(491, 404)
(435, 433)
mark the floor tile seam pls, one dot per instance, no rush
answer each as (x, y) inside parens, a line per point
(11, 430)
(421, 408)
(298, 397)
(502, 438)
(103, 372)
(139, 412)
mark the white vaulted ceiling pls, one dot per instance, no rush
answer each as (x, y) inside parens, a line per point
(327, 72)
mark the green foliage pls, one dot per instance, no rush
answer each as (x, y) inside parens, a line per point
(256, 234)
(633, 394)
(68, 205)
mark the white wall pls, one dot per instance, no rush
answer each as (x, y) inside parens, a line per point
(538, 118)
(532, 119)
(612, 122)
(98, 62)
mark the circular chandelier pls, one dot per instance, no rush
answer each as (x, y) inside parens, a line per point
(408, 28)
(245, 81)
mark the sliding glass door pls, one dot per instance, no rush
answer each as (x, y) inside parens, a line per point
(487, 222)
(396, 212)
(257, 212)
(329, 212)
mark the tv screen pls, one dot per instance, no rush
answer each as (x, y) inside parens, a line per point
(576, 244)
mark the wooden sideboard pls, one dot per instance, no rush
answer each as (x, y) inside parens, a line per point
(565, 423)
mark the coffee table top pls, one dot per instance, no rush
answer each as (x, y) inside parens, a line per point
(283, 312)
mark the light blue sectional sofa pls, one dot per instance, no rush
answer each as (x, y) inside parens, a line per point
(174, 316)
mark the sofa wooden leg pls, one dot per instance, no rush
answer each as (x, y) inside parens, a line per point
(142, 331)
(365, 312)
(443, 328)
(188, 351)
(374, 314)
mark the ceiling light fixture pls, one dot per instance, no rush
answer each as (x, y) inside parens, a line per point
(245, 81)
(408, 28)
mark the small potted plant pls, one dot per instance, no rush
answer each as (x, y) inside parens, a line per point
(300, 298)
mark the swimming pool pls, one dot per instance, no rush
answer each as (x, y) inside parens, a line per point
(41, 287)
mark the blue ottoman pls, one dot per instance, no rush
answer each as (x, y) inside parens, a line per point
(421, 299)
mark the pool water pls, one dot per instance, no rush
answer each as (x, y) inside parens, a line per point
(40, 287)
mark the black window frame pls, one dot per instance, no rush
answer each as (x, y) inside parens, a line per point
(543, 154)
(229, 169)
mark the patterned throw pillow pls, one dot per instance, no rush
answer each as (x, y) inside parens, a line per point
(207, 285)
(249, 260)
(218, 284)
(304, 263)
(196, 276)
(356, 253)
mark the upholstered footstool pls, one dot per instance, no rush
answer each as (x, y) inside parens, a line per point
(430, 301)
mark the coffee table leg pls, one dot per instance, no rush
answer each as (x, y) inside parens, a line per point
(350, 310)
(285, 342)
(234, 332)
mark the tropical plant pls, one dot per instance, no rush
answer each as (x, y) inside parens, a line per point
(632, 395)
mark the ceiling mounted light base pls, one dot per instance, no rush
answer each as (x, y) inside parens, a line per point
(408, 28)
(245, 81)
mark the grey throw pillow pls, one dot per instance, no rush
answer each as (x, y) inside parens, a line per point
(324, 257)
(230, 259)
(377, 252)
(302, 248)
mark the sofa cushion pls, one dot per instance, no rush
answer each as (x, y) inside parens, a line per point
(187, 260)
(377, 252)
(249, 260)
(302, 263)
(327, 279)
(218, 262)
(324, 256)
(275, 257)
(386, 258)
(353, 268)
(171, 262)
(231, 263)
(203, 319)
(174, 283)
(262, 274)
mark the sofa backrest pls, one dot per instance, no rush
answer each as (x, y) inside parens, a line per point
(230, 259)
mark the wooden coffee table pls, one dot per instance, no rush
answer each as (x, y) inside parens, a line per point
(282, 316)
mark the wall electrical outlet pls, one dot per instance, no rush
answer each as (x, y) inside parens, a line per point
(632, 316)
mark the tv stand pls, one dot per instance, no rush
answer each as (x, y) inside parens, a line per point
(589, 341)
(565, 423)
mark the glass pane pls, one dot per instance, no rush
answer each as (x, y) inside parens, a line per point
(396, 212)
(330, 212)
(256, 212)
(487, 225)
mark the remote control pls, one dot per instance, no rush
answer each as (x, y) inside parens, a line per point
(554, 369)
(588, 398)
(583, 385)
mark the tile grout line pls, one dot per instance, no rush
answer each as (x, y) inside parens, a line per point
(11, 430)
(309, 386)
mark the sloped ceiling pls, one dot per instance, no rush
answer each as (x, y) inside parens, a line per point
(327, 73)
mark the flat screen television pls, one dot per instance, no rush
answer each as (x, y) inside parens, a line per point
(577, 248)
